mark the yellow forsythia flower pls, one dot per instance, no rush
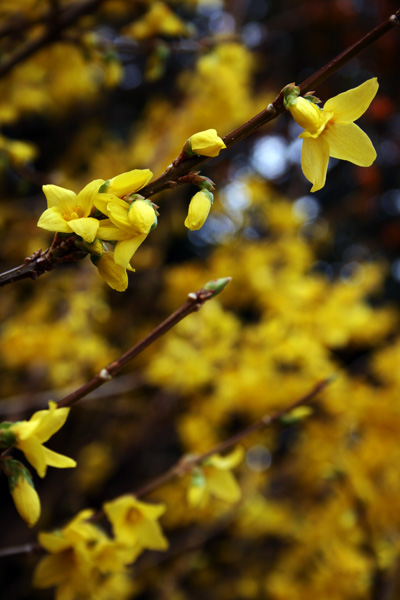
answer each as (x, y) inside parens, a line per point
(23, 491)
(206, 143)
(84, 562)
(32, 434)
(331, 131)
(135, 522)
(214, 478)
(199, 208)
(68, 212)
(128, 225)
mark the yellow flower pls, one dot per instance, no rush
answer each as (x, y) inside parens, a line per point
(113, 274)
(206, 143)
(199, 208)
(135, 522)
(331, 131)
(129, 225)
(214, 478)
(23, 491)
(32, 434)
(69, 213)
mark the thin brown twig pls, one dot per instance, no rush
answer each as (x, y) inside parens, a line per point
(193, 303)
(186, 463)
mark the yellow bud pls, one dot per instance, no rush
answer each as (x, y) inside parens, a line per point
(26, 501)
(199, 208)
(206, 143)
(306, 114)
(141, 215)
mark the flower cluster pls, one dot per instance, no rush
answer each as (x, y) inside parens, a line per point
(29, 437)
(104, 211)
(112, 220)
(85, 562)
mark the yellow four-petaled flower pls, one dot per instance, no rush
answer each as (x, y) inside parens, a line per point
(331, 131)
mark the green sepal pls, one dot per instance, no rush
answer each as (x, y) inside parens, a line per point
(7, 437)
(14, 470)
(104, 187)
(209, 195)
(290, 95)
(198, 479)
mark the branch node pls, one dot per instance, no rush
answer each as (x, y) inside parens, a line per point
(192, 296)
(395, 19)
(271, 108)
(266, 419)
(105, 375)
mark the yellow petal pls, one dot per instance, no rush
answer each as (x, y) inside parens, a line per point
(150, 536)
(349, 142)
(48, 422)
(125, 249)
(119, 216)
(101, 201)
(87, 194)
(113, 274)
(228, 461)
(51, 570)
(59, 197)
(314, 161)
(129, 182)
(34, 454)
(86, 227)
(108, 231)
(197, 495)
(53, 542)
(350, 105)
(52, 220)
(223, 485)
(54, 459)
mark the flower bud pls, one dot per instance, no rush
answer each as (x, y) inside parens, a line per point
(306, 114)
(141, 215)
(23, 492)
(205, 143)
(199, 208)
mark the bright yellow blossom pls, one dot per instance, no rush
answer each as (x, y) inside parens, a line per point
(214, 478)
(82, 560)
(32, 434)
(68, 212)
(128, 224)
(199, 209)
(331, 131)
(135, 522)
(206, 143)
